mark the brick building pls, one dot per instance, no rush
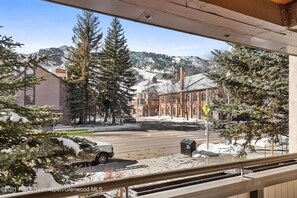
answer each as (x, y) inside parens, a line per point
(146, 104)
(187, 97)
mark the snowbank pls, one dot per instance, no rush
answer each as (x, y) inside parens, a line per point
(70, 144)
(221, 148)
(235, 147)
(174, 119)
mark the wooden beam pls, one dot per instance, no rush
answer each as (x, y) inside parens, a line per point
(282, 1)
(259, 9)
(256, 23)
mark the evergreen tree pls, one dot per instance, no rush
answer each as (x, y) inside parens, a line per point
(256, 83)
(22, 152)
(84, 67)
(116, 76)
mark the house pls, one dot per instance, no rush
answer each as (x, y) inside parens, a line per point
(146, 103)
(187, 97)
(51, 91)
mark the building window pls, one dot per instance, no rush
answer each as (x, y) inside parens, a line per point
(29, 100)
(163, 99)
(187, 97)
(203, 97)
(195, 97)
(213, 95)
(195, 111)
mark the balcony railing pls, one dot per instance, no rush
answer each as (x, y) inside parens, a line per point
(107, 185)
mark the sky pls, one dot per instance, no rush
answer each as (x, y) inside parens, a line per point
(39, 24)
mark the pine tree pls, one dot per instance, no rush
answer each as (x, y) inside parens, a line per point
(84, 67)
(256, 83)
(116, 76)
(22, 152)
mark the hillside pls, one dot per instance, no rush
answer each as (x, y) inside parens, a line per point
(151, 69)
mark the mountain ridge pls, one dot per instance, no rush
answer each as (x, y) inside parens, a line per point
(149, 67)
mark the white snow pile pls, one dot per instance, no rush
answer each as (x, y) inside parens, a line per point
(70, 144)
(265, 141)
(43, 181)
(234, 147)
(14, 117)
(221, 148)
(7, 151)
(92, 177)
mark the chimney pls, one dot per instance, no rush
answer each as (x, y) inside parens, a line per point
(182, 78)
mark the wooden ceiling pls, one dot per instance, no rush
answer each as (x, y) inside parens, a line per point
(283, 2)
(265, 24)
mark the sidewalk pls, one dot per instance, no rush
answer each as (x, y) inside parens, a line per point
(99, 128)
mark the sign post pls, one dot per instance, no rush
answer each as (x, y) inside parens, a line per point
(206, 110)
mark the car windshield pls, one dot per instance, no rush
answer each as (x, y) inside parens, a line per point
(89, 142)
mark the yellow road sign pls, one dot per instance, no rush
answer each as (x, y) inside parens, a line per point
(206, 109)
(205, 118)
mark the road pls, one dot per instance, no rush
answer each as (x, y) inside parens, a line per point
(156, 140)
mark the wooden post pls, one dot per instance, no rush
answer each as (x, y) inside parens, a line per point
(272, 148)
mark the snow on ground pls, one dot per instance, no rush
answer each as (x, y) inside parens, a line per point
(221, 148)
(146, 74)
(152, 165)
(234, 147)
(44, 180)
(92, 177)
(174, 119)
(140, 86)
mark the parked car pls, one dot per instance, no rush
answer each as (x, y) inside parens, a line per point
(104, 150)
(129, 119)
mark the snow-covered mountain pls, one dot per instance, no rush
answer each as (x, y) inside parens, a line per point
(151, 69)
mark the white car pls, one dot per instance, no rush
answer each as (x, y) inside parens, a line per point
(104, 149)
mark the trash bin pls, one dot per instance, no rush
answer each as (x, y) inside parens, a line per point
(187, 146)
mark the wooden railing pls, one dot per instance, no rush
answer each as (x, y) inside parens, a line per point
(102, 186)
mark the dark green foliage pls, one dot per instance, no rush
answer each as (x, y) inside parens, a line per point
(84, 67)
(255, 84)
(116, 76)
(21, 151)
